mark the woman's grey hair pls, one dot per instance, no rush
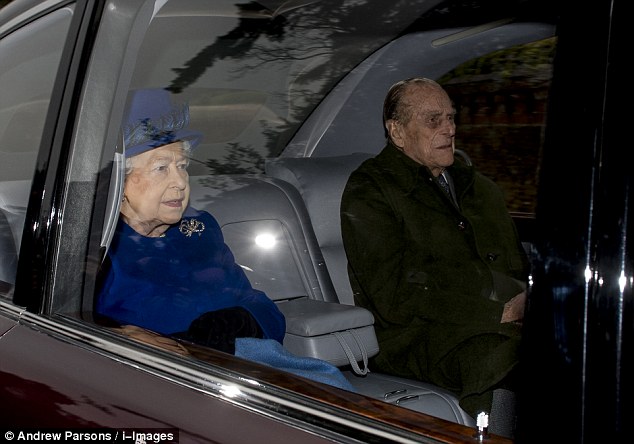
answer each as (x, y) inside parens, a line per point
(187, 150)
(394, 108)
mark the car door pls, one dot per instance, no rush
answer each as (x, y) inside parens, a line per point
(579, 326)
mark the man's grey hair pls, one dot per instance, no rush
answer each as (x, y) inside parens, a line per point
(394, 108)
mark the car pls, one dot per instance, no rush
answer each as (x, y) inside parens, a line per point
(288, 96)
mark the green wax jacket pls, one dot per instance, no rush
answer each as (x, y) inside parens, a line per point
(433, 273)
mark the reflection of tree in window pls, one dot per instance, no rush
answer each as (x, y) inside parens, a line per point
(238, 160)
(237, 42)
(328, 37)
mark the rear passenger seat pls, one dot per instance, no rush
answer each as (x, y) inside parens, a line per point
(320, 181)
(298, 201)
(293, 273)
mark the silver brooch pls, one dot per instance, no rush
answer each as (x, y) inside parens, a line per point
(191, 226)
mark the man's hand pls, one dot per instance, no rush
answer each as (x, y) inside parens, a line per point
(514, 309)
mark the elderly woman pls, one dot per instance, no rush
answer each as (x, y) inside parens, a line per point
(168, 269)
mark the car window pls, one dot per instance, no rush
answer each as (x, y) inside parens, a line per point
(266, 80)
(254, 75)
(30, 56)
(271, 81)
(498, 77)
(253, 72)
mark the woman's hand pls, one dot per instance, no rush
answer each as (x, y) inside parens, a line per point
(219, 329)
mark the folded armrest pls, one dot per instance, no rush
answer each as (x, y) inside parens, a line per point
(337, 333)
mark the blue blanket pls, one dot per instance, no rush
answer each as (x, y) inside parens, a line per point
(271, 353)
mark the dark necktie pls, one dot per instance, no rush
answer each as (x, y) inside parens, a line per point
(443, 183)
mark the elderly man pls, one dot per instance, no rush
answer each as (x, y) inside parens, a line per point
(434, 254)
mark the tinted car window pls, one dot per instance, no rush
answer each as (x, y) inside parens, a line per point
(266, 81)
(30, 56)
(253, 73)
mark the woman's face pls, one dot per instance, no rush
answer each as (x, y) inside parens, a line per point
(156, 190)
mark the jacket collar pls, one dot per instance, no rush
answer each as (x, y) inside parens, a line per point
(411, 173)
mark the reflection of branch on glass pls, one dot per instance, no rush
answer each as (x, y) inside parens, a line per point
(218, 185)
(247, 160)
(238, 160)
(308, 29)
(237, 41)
(307, 45)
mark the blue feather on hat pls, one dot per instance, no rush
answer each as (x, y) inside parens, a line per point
(152, 121)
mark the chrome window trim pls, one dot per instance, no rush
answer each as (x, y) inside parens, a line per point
(11, 311)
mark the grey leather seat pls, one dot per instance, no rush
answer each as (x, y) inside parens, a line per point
(320, 182)
(267, 227)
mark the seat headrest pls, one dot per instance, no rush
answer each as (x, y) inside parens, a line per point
(320, 181)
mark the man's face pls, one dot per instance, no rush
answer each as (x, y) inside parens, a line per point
(428, 135)
(156, 191)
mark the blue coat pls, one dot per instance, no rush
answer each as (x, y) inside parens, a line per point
(165, 283)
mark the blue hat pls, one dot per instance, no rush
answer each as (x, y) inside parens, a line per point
(152, 120)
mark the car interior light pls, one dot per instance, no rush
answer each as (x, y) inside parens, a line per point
(265, 240)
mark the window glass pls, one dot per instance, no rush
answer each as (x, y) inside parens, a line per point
(500, 100)
(30, 56)
(266, 81)
(253, 72)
